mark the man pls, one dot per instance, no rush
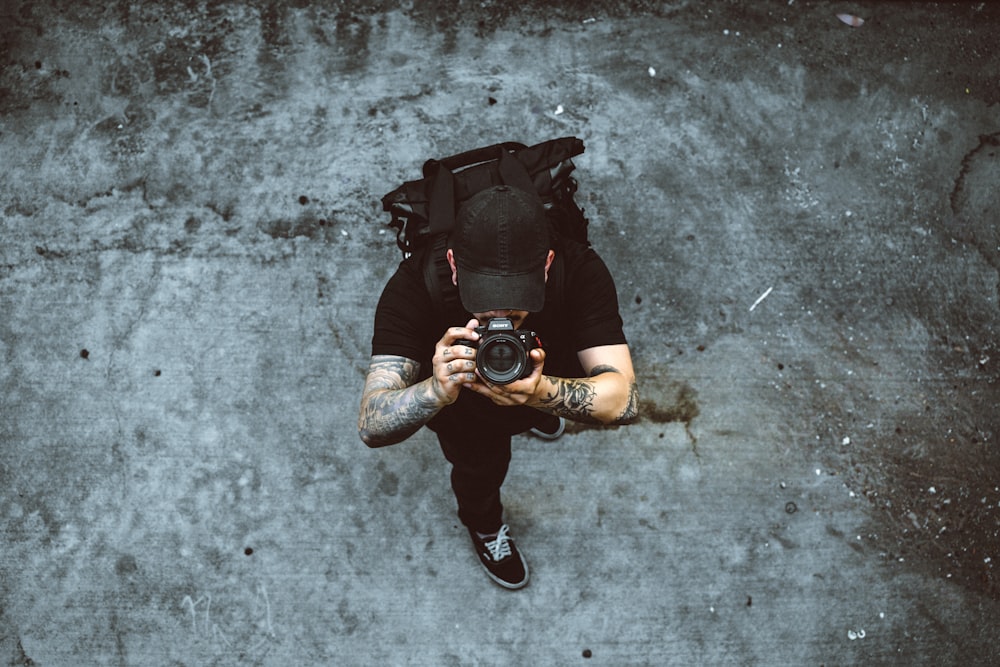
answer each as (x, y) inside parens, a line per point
(424, 372)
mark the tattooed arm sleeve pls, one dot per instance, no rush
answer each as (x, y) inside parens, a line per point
(393, 405)
(609, 395)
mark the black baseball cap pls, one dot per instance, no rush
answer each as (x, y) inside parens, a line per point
(501, 242)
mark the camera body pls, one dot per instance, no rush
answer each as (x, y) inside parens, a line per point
(502, 351)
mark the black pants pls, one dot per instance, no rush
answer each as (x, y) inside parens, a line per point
(475, 438)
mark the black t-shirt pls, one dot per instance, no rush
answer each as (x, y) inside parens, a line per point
(581, 311)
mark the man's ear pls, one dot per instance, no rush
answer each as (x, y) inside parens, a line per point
(548, 263)
(454, 269)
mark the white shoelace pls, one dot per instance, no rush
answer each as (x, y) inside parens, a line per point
(500, 547)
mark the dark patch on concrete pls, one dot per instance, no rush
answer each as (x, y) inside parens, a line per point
(21, 657)
(975, 199)
(50, 254)
(224, 211)
(170, 61)
(388, 483)
(682, 408)
(307, 226)
(351, 36)
(127, 76)
(272, 27)
(322, 287)
(36, 520)
(930, 480)
(783, 541)
(17, 205)
(350, 622)
(126, 566)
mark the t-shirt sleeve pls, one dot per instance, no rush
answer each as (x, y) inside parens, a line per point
(592, 302)
(401, 317)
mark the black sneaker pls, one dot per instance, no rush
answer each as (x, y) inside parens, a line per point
(549, 428)
(500, 558)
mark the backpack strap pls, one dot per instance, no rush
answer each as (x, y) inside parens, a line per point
(441, 205)
(557, 281)
(437, 275)
(475, 156)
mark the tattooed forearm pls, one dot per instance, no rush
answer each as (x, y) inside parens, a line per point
(391, 373)
(392, 407)
(572, 399)
(593, 401)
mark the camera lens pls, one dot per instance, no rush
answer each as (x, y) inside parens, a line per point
(501, 359)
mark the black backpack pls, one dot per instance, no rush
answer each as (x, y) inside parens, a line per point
(423, 211)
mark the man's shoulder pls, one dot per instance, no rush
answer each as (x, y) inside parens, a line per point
(581, 261)
(574, 250)
(404, 315)
(409, 274)
(405, 292)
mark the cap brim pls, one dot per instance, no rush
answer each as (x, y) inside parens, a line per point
(481, 293)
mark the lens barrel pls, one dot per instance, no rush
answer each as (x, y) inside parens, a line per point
(502, 358)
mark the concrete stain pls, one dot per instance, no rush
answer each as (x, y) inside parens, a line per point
(975, 200)
(272, 27)
(126, 566)
(351, 36)
(306, 226)
(388, 483)
(682, 408)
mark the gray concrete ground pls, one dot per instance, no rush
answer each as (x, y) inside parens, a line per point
(192, 246)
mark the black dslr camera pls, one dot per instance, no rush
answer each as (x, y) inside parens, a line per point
(502, 354)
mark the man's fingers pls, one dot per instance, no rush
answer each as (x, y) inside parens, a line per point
(462, 333)
(450, 353)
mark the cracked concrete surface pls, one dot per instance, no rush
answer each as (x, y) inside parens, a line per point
(802, 219)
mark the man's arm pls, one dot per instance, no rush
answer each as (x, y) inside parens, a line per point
(394, 405)
(609, 395)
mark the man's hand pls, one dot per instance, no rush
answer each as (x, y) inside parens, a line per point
(518, 392)
(454, 362)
